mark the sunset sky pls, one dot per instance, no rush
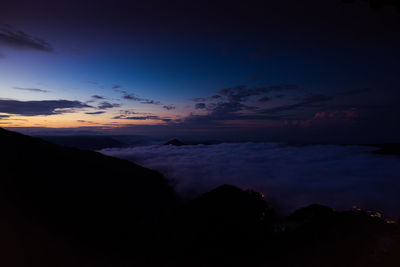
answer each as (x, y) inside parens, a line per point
(323, 71)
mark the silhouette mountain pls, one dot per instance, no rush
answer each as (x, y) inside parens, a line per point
(224, 227)
(232, 227)
(174, 142)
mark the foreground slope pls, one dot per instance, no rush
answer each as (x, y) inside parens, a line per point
(79, 196)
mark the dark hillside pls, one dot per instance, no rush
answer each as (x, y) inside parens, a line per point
(82, 196)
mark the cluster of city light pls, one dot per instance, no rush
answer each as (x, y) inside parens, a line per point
(374, 214)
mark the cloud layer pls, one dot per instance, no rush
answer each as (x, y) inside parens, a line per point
(36, 108)
(289, 176)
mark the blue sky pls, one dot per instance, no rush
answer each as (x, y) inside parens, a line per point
(290, 69)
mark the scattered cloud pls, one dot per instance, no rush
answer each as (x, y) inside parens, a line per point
(323, 117)
(133, 115)
(241, 92)
(256, 105)
(98, 97)
(150, 102)
(232, 104)
(84, 121)
(32, 89)
(148, 117)
(132, 97)
(200, 106)
(308, 101)
(129, 112)
(42, 107)
(95, 112)
(136, 117)
(107, 105)
(168, 107)
(21, 40)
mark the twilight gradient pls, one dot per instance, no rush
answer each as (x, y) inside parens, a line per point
(217, 68)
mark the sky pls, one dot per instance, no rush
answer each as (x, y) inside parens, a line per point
(293, 71)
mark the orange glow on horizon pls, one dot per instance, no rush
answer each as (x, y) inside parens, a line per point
(73, 120)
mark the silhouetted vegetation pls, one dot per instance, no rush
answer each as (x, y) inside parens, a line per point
(68, 207)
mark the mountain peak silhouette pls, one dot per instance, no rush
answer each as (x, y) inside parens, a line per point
(175, 142)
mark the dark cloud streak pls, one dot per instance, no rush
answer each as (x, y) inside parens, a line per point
(168, 107)
(95, 113)
(37, 108)
(37, 90)
(306, 102)
(21, 40)
(200, 106)
(132, 97)
(98, 97)
(241, 92)
(107, 105)
(148, 117)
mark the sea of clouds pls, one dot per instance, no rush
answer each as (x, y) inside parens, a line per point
(289, 176)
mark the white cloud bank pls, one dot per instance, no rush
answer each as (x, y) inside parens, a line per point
(289, 176)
